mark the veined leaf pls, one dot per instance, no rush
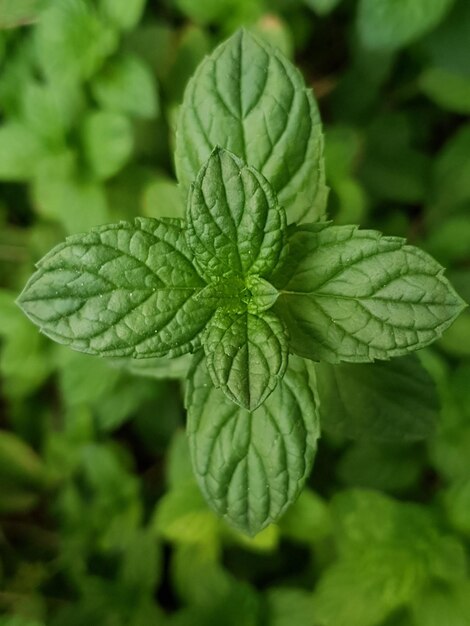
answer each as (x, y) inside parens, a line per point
(252, 465)
(355, 295)
(121, 290)
(235, 225)
(246, 355)
(387, 401)
(226, 104)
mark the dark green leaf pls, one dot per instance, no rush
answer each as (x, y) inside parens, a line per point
(252, 465)
(246, 355)
(121, 290)
(235, 225)
(226, 105)
(385, 401)
(357, 296)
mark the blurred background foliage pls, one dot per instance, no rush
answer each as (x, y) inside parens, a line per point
(100, 518)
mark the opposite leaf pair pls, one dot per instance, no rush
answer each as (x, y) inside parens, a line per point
(156, 288)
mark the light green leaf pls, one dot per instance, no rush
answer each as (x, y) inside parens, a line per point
(457, 502)
(364, 590)
(235, 225)
(121, 290)
(226, 104)
(356, 296)
(182, 516)
(450, 90)
(161, 197)
(246, 355)
(289, 605)
(72, 41)
(127, 86)
(59, 194)
(124, 14)
(107, 141)
(252, 465)
(385, 401)
(367, 520)
(391, 24)
(308, 520)
(159, 368)
(20, 149)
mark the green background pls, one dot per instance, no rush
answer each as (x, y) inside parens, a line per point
(101, 521)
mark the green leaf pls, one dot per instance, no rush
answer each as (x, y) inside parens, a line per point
(251, 466)
(450, 191)
(356, 296)
(385, 401)
(322, 7)
(287, 606)
(368, 520)
(121, 290)
(246, 355)
(127, 86)
(388, 467)
(388, 552)
(58, 194)
(72, 41)
(449, 90)
(161, 197)
(159, 368)
(20, 149)
(182, 516)
(391, 24)
(226, 104)
(447, 46)
(391, 167)
(308, 520)
(363, 591)
(457, 503)
(107, 141)
(124, 14)
(19, 464)
(235, 226)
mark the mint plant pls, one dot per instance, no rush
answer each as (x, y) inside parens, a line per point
(254, 282)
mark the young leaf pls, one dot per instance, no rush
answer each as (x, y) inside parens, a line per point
(252, 465)
(226, 104)
(355, 295)
(121, 290)
(387, 401)
(246, 355)
(235, 225)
